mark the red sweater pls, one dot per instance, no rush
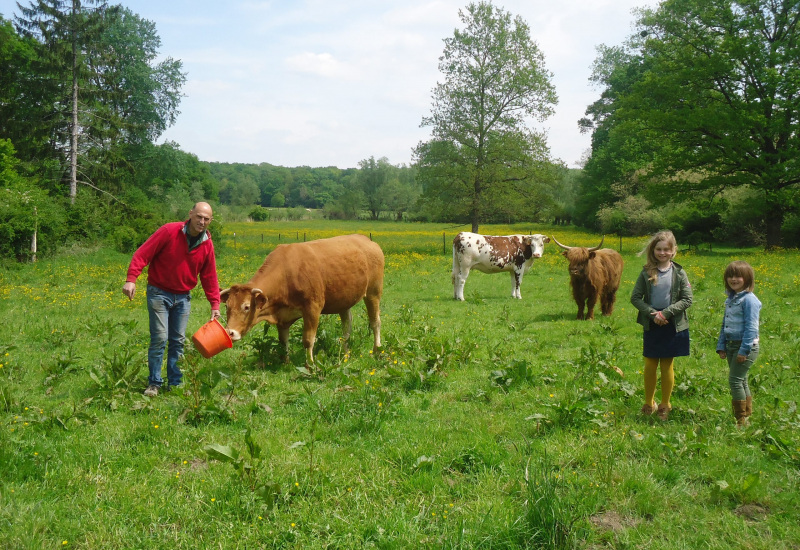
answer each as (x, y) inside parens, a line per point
(173, 267)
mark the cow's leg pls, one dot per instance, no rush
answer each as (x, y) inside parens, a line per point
(460, 275)
(283, 338)
(373, 304)
(310, 325)
(579, 299)
(347, 327)
(607, 303)
(516, 280)
(591, 300)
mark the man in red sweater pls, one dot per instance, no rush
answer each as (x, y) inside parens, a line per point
(177, 253)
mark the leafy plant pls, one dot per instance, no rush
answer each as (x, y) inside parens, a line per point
(199, 390)
(740, 492)
(116, 372)
(246, 467)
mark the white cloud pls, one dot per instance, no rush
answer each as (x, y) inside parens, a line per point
(322, 64)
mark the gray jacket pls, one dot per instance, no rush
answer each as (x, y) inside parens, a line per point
(680, 299)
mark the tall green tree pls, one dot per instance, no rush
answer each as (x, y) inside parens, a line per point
(482, 151)
(373, 178)
(715, 101)
(130, 98)
(97, 91)
(62, 30)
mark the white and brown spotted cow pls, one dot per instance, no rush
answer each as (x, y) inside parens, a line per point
(490, 254)
(306, 280)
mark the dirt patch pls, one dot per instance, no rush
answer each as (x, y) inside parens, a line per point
(752, 512)
(612, 521)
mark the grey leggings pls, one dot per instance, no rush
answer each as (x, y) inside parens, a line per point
(737, 372)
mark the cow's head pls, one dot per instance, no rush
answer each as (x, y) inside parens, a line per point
(536, 244)
(578, 257)
(243, 303)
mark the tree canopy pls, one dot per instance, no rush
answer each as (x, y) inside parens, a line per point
(483, 158)
(703, 98)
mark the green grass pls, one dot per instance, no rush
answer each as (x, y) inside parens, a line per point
(491, 423)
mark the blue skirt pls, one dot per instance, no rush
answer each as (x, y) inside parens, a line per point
(662, 341)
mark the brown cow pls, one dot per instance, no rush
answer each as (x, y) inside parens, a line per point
(306, 280)
(594, 273)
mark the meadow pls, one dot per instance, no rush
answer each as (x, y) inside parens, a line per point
(492, 423)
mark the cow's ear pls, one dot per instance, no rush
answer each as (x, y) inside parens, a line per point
(546, 239)
(564, 253)
(592, 255)
(223, 295)
(528, 239)
(259, 300)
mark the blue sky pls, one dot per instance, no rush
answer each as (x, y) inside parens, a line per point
(333, 82)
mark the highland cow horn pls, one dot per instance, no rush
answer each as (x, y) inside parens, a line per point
(599, 245)
(256, 291)
(561, 245)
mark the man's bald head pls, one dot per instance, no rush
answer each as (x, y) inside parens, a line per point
(199, 217)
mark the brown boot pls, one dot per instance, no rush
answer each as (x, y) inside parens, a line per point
(740, 413)
(749, 405)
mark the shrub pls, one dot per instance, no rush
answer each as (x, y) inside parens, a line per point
(633, 215)
(259, 214)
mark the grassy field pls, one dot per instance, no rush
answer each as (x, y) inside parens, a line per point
(491, 423)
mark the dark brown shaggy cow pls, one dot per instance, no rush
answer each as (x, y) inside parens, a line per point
(308, 280)
(593, 273)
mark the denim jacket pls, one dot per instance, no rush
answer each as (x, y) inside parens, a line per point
(680, 299)
(740, 321)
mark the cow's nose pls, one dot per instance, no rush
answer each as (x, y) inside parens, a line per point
(234, 334)
(537, 255)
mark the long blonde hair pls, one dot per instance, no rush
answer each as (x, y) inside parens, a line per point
(652, 262)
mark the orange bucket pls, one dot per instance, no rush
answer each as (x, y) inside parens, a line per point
(211, 338)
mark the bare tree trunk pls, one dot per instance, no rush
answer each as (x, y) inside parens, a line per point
(35, 231)
(73, 142)
(774, 221)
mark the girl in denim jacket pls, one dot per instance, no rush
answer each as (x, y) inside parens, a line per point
(738, 337)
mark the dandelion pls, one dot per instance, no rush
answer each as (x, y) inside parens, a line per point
(292, 524)
(213, 500)
(156, 426)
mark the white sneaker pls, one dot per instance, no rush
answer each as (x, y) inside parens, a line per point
(151, 391)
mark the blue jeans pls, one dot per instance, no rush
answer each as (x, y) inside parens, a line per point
(169, 315)
(737, 372)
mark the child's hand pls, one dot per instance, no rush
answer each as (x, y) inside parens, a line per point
(659, 318)
(722, 354)
(741, 358)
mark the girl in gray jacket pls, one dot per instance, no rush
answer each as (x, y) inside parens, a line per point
(662, 294)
